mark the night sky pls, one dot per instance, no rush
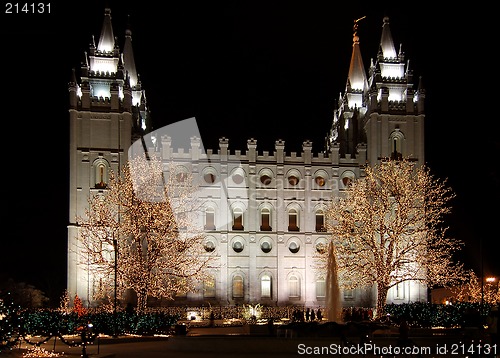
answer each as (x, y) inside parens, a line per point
(245, 69)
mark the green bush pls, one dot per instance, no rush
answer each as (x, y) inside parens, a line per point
(52, 322)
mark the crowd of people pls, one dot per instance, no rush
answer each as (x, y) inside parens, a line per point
(307, 315)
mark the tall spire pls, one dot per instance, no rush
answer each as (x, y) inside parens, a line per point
(107, 40)
(357, 79)
(386, 42)
(347, 127)
(128, 57)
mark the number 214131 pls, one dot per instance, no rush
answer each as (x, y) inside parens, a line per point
(27, 8)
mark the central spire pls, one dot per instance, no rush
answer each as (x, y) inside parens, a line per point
(357, 76)
(107, 39)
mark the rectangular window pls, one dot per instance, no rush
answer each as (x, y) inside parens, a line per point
(237, 287)
(238, 222)
(209, 288)
(209, 220)
(399, 291)
(292, 222)
(266, 287)
(349, 294)
(293, 287)
(265, 222)
(320, 223)
(320, 289)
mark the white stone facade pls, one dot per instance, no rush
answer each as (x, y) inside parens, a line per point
(264, 210)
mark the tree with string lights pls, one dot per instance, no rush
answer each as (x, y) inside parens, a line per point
(388, 227)
(143, 233)
(473, 290)
(9, 322)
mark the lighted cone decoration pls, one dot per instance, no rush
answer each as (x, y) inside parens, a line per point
(333, 303)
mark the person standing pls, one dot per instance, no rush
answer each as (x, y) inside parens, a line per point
(319, 315)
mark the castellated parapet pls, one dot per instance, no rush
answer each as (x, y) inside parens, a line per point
(265, 216)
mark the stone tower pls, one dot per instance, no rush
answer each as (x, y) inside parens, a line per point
(107, 112)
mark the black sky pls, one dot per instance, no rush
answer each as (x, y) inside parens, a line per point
(245, 69)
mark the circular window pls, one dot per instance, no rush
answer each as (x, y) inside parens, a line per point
(347, 178)
(321, 247)
(209, 246)
(293, 180)
(237, 178)
(181, 177)
(320, 181)
(238, 246)
(294, 247)
(209, 178)
(346, 181)
(266, 246)
(265, 179)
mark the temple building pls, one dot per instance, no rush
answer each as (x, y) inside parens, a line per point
(264, 211)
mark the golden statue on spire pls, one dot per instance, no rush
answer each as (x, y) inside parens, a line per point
(355, 27)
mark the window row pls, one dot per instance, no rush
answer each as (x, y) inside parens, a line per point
(265, 177)
(266, 245)
(265, 220)
(293, 286)
(100, 175)
(266, 288)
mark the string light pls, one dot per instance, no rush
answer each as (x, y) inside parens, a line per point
(388, 228)
(473, 291)
(41, 352)
(151, 214)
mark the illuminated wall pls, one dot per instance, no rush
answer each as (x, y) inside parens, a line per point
(264, 210)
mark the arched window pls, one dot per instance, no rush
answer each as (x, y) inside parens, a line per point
(266, 176)
(320, 221)
(265, 219)
(396, 140)
(181, 174)
(320, 179)
(265, 286)
(348, 178)
(237, 219)
(100, 174)
(209, 175)
(293, 287)
(210, 218)
(238, 286)
(293, 177)
(293, 220)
